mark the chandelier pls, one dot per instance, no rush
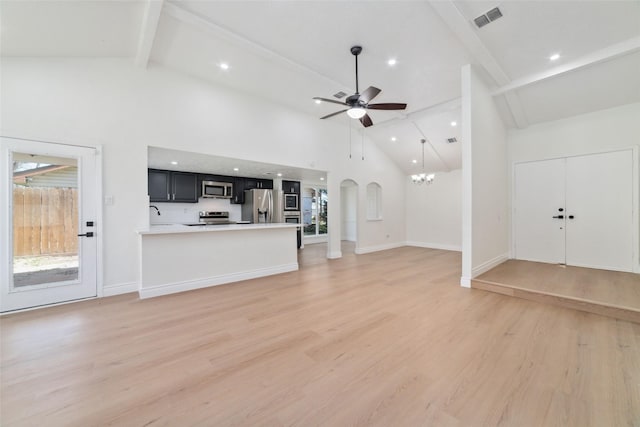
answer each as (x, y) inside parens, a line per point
(422, 178)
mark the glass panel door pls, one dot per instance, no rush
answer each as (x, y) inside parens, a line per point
(49, 205)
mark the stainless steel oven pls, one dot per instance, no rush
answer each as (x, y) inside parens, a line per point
(295, 218)
(291, 202)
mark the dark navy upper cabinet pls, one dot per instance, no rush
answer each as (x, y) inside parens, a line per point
(170, 186)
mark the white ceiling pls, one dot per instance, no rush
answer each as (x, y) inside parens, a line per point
(290, 51)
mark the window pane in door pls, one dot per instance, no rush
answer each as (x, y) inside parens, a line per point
(45, 220)
(322, 211)
(309, 211)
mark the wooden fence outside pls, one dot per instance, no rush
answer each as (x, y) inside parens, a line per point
(45, 221)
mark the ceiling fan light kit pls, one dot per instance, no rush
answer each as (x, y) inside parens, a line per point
(358, 103)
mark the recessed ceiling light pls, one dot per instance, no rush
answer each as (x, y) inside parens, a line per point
(174, 163)
(454, 124)
(236, 169)
(554, 57)
(393, 138)
(414, 161)
(321, 179)
(392, 62)
(318, 101)
(279, 174)
(224, 65)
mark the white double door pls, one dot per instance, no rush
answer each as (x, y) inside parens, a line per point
(48, 208)
(576, 211)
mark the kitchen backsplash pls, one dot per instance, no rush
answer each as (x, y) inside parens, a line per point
(183, 213)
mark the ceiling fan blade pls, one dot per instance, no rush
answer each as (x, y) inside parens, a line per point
(333, 114)
(366, 121)
(369, 93)
(330, 100)
(387, 106)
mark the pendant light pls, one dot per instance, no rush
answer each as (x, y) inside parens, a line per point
(422, 177)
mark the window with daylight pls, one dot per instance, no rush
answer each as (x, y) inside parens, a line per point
(314, 211)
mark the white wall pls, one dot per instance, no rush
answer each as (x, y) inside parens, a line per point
(110, 102)
(484, 179)
(610, 129)
(434, 212)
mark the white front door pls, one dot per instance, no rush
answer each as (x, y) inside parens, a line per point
(48, 215)
(539, 202)
(600, 211)
(576, 211)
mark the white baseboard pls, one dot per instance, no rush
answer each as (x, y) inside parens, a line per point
(189, 285)
(488, 265)
(334, 255)
(465, 282)
(377, 248)
(441, 246)
(122, 288)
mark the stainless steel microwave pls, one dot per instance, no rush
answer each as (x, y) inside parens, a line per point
(217, 190)
(291, 202)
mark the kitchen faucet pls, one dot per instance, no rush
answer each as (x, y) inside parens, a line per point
(156, 208)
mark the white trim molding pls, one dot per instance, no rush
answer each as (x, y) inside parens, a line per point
(465, 282)
(488, 265)
(119, 289)
(189, 285)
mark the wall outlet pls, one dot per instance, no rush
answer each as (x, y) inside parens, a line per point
(108, 200)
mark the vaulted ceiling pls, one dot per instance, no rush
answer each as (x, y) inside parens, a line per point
(290, 51)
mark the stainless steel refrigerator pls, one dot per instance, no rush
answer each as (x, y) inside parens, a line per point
(263, 206)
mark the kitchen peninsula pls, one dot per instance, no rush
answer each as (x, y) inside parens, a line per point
(176, 258)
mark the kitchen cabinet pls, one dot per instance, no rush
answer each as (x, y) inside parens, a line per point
(170, 186)
(291, 187)
(251, 183)
(238, 191)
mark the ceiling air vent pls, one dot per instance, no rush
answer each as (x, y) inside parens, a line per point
(339, 95)
(494, 14)
(451, 140)
(488, 17)
(481, 21)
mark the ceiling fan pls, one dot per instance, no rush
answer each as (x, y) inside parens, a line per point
(358, 103)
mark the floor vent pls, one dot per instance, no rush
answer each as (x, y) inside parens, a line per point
(451, 140)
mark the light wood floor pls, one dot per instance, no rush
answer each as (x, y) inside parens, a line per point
(610, 289)
(382, 339)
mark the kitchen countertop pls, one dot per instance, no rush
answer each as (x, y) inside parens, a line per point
(180, 228)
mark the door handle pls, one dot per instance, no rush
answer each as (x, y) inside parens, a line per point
(87, 234)
(559, 216)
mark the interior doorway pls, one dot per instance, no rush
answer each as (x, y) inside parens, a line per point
(349, 215)
(49, 208)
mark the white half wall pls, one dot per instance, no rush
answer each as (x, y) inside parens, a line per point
(434, 212)
(126, 109)
(485, 227)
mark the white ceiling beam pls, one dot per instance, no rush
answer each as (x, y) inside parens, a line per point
(446, 166)
(148, 32)
(458, 24)
(610, 52)
(219, 32)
